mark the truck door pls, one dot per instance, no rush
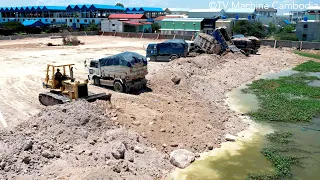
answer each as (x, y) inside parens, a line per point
(94, 69)
(152, 50)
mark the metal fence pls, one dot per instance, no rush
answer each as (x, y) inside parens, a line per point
(81, 33)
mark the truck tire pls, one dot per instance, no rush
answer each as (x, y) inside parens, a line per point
(173, 57)
(96, 81)
(153, 58)
(119, 87)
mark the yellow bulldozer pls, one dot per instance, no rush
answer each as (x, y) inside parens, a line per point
(64, 88)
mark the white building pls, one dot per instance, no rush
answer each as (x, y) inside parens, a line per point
(205, 13)
(176, 11)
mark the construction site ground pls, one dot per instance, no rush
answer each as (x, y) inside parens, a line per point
(183, 108)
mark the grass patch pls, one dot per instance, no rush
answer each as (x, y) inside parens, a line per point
(305, 54)
(287, 99)
(309, 66)
(277, 156)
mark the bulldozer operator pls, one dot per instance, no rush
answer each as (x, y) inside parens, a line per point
(59, 77)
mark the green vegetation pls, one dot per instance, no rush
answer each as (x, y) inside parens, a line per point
(279, 137)
(286, 33)
(287, 99)
(250, 28)
(92, 27)
(286, 36)
(276, 154)
(310, 55)
(120, 4)
(272, 28)
(155, 27)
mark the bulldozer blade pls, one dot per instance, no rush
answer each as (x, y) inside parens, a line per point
(101, 96)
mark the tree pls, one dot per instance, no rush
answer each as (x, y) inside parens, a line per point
(120, 4)
(288, 29)
(272, 28)
(155, 27)
(250, 28)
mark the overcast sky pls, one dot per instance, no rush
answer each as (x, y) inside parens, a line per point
(282, 5)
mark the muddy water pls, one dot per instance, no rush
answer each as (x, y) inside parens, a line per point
(237, 160)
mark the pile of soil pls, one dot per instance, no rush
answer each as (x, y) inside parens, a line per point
(74, 140)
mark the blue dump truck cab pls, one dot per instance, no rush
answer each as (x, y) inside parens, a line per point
(167, 50)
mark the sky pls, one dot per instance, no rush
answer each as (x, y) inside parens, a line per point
(281, 5)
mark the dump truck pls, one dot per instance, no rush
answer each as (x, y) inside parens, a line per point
(66, 88)
(249, 44)
(168, 50)
(124, 72)
(219, 42)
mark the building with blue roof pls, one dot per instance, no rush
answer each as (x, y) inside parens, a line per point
(149, 12)
(76, 16)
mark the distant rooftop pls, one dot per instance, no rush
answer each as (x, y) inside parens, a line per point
(266, 10)
(206, 10)
(313, 8)
(184, 19)
(178, 9)
(251, 11)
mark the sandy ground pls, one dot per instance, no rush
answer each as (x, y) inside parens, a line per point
(191, 114)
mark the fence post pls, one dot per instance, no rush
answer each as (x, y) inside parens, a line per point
(141, 35)
(300, 45)
(275, 44)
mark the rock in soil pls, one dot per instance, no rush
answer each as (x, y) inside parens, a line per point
(118, 150)
(181, 158)
(230, 138)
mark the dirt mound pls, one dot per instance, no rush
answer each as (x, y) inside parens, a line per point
(78, 136)
(188, 70)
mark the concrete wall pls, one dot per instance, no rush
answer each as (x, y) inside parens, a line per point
(308, 30)
(112, 26)
(81, 33)
(291, 44)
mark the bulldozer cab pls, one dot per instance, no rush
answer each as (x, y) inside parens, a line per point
(50, 80)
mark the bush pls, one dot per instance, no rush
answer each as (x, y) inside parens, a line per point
(286, 36)
(250, 28)
(92, 27)
(70, 40)
(12, 27)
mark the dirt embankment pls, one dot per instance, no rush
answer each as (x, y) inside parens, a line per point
(77, 141)
(186, 107)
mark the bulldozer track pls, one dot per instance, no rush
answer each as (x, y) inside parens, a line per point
(49, 99)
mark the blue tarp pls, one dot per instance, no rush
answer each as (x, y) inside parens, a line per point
(33, 23)
(287, 21)
(174, 46)
(123, 59)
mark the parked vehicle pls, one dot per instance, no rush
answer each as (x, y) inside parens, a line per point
(124, 72)
(167, 50)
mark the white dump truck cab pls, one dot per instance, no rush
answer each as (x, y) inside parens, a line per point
(124, 72)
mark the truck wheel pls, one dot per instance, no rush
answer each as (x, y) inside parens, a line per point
(118, 87)
(153, 58)
(96, 81)
(173, 57)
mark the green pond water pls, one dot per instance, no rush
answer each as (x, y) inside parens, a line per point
(235, 160)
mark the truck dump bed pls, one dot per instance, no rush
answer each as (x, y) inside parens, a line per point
(126, 65)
